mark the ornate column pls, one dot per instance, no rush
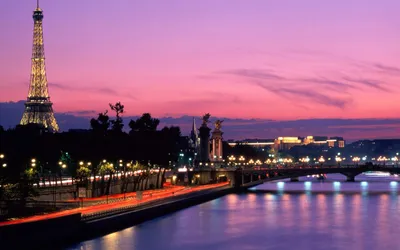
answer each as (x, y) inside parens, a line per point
(204, 140)
(216, 155)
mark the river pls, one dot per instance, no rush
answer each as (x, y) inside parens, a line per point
(309, 214)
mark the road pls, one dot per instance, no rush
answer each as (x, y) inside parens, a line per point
(148, 196)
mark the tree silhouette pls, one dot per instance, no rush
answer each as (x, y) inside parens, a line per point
(117, 124)
(101, 124)
(144, 123)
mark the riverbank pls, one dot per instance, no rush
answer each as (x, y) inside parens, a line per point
(58, 232)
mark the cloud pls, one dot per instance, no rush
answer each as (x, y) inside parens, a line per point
(370, 83)
(318, 90)
(332, 83)
(389, 69)
(102, 90)
(309, 95)
(82, 112)
(253, 73)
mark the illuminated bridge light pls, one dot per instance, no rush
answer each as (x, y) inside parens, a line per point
(364, 184)
(280, 185)
(307, 185)
(393, 183)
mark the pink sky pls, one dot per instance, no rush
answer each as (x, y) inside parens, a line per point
(233, 58)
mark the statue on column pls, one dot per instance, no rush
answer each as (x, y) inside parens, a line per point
(206, 119)
(216, 142)
(205, 139)
(218, 124)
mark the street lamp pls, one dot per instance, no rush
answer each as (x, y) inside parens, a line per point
(338, 160)
(1, 156)
(356, 160)
(321, 160)
(4, 165)
(395, 160)
(382, 158)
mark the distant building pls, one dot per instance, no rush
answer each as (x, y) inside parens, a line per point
(258, 143)
(285, 143)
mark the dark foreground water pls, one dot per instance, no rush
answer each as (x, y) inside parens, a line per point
(306, 215)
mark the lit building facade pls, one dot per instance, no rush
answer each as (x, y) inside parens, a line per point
(285, 143)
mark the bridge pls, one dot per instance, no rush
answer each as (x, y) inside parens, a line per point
(252, 176)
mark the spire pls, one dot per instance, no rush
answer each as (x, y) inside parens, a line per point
(37, 4)
(193, 133)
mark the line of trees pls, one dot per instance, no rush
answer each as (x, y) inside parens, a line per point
(145, 147)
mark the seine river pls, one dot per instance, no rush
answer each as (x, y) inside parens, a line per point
(306, 215)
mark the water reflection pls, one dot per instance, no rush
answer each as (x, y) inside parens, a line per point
(329, 215)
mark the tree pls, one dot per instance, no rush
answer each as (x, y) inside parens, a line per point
(144, 123)
(104, 169)
(117, 124)
(101, 124)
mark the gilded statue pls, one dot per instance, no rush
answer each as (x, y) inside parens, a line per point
(218, 124)
(206, 119)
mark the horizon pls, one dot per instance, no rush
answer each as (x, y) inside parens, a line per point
(237, 128)
(186, 59)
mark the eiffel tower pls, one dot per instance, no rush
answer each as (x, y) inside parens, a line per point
(38, 107)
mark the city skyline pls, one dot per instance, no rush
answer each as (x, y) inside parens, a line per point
(170, 60)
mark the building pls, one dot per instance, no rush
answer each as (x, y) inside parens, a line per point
(257, 143)
(285, 143)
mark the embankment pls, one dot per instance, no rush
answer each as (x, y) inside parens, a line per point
(68, 230)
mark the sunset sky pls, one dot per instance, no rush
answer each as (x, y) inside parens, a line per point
(269, 59)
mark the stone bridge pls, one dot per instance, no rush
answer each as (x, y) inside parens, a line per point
(250, 176)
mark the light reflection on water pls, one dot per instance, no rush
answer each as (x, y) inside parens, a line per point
(318, 215)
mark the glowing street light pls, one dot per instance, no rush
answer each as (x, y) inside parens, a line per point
(305, 159)
(60, 163)
(338, 160)
(1, 156)
(63, 165)
(4, 165)
(33, 160)
(382, 158)
(395, 160)
(356, 159)
(81, 163)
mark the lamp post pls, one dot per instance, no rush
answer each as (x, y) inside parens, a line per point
(321, 160)
(356, 160)
(382, 158)
(2, 161)
(396, 160)
(338, 160)
(241, 160)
